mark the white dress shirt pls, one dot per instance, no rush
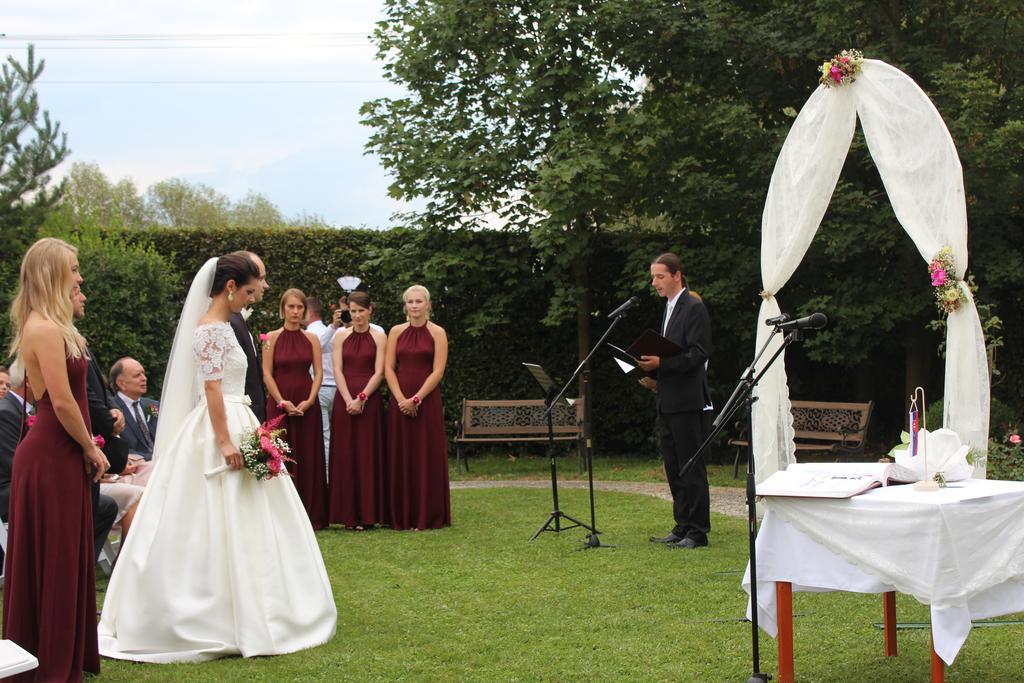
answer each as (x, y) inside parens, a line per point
(325, 333)
(669, 307)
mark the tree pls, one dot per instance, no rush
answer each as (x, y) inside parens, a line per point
(256, 211)
(177, 203)
(90, 198)
(31, 146)
(566, 117)
(726, 80)
(516, 110)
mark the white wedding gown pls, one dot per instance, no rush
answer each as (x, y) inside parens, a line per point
(222, 566)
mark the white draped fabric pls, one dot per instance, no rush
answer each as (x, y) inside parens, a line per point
(921, 171)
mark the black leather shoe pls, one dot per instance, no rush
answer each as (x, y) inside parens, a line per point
(688, 544)
(671, 538)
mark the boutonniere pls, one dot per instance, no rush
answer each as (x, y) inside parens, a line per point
(246, 312)
(152, 410)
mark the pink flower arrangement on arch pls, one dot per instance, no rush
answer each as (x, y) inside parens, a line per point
(942, 270)
(841, 69)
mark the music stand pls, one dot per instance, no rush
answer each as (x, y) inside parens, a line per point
(554, 520)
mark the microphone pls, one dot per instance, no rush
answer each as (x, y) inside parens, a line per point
(621, 310)
(776, 320)
(815, 321)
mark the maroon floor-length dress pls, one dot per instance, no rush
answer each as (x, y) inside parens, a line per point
(357, 441)
(293, 358)
(49, 580)
(417, 447)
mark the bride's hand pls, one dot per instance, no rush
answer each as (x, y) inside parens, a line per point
(96, 463)
(232, 456)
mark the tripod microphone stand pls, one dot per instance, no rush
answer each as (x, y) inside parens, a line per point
(592, 538)
(554, 520)
(742, 396)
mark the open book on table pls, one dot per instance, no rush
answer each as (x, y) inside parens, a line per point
(833, 479)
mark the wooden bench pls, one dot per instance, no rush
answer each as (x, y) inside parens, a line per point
(515, 421)
(820, 426)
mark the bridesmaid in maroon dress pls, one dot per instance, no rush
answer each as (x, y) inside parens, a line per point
(417, 446)
(357, 421)
(49, 587)
(291, 389)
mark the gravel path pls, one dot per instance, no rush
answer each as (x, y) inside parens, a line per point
(724, 499)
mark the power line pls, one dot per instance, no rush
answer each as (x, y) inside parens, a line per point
(213, 82)
(48, 48)
(140, 37)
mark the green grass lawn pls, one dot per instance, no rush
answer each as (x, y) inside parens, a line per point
(606, 468)
(478, 602)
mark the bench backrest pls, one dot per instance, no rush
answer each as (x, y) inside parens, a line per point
(827, 421)
(518, 417)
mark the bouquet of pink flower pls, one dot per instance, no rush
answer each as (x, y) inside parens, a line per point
(264, 451)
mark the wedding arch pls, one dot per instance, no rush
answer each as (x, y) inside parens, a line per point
(921, 172)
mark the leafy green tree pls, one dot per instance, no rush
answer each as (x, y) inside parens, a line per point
(177, 203)
(90, 198)
(566, 118)
(725, 80)
(513, 111)
(257, 211)
(31, 146)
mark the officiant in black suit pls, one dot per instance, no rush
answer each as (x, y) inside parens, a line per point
(683, 401)
(253, 347)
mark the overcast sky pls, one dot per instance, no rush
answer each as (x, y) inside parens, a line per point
(241, 95)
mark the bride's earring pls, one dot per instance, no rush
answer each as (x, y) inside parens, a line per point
(231, 296)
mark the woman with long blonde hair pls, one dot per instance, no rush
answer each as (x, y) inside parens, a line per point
(50, 587)
(417, 447)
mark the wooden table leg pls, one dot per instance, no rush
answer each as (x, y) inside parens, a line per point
(889, 621)
(938, 666)
(784, 617)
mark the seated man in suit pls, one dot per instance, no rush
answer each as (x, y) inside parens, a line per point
(13, 426)
(128, 378)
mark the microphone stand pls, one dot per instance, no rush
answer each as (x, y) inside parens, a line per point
(742, 396)
(592, 540)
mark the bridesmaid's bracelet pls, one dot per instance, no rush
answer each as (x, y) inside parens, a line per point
(416, 400)
(362, 396)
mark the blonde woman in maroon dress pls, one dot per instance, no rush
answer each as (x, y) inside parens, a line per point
(292, 389)
(417, 446)
(49, 585)
(357, 421)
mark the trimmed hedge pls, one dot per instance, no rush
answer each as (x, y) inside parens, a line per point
(491, 291)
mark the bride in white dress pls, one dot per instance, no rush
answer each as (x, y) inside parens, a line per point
(217, 566)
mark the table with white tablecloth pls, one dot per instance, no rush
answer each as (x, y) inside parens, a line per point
(959, 550)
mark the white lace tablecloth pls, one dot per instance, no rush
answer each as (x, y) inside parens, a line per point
(959, 550)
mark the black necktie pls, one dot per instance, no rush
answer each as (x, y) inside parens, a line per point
(143, 427)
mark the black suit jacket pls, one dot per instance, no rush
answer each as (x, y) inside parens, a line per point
(254, 371)
(101, 401)
(12, 430)
(682, 379)
(132, 434)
